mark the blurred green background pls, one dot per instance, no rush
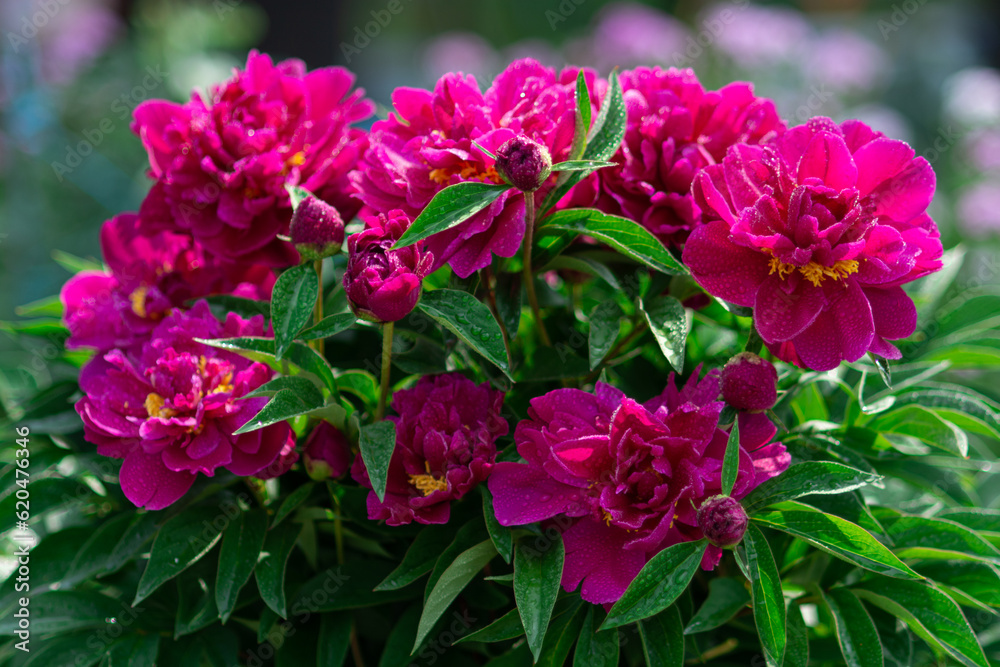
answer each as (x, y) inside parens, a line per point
(72, 70)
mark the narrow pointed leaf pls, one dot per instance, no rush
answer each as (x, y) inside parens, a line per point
(938, 539)
(329, 326)
(658, 584)
(536, 586)
(593, 648)
(768, 600)
(506, 627)
(856, 633)
(731, 461)
(797, 639)
(182, 542)
(582, 165)
(270, 570)
(605, 327)
(300, 386)
(669, 323)
(807, 478)
(501, 536)
(726, 597)
(469, 319)
(581, 125)
(292, 502)
(451, 207)
(292, 302)
(282, 406)
(377, 443)
(334, 639)
(418, 560)
(663, 639)
(242, 542)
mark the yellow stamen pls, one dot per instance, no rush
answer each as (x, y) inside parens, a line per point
(138, 300)
(815, 272)
(154, 407)
(428, 484)
(467, 170)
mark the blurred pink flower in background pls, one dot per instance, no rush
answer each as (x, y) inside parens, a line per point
(757, 36)
(845, 61)
(627, 34)
(972, 96)
(978, 209)
(466, 51)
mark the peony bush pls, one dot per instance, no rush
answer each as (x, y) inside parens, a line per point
(566, 368)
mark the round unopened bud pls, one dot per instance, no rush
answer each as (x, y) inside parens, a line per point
(317, 229)
(524, 163)
(723, 521)
(750, 383)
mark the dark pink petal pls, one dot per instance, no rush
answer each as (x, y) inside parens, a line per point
(595, 556)
(524, 494)
(907, 194)
(893, 312)
(722, 268)
(150, 484)
(828, 160)
(842, 332)
(879, 160)
(781, 312)
(756, 430)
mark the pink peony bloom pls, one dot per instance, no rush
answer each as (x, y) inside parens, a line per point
(426, 145)
(221, 164)
(446, 435)
(623, 480)
(169, 407)
(149, 274)
(816, 233)
(675, 129)
(383, 285)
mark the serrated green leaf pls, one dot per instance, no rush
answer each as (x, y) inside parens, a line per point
(802, 479)
(593, 648)
(292, 302)
(536, 586)
(451, 207)
(452, 582)
(929, 613)
(726, 597)
(626, 236)
(242, 542)
(605, 327)
(270, 569)
(767, 598)
(859, 642)
(668, 321)
(658, 584)
(469, 319)
(329, 326)
(377, 443)
(182, 542)
(838, 537)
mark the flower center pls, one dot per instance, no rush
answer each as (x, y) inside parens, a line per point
(428, 483)
(154, 407)
(465, 170)
(138, 300)
(814, 272)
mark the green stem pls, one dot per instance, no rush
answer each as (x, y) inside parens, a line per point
(491, 295)
(338, 524)
(386, 368)
(529, 278)
(754, 342)
(318, 312)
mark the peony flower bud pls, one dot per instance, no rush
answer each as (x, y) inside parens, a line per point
(723, 521)
(317, 229)
(750, 383)
(524, 163)
(383, 285)
(327, 452)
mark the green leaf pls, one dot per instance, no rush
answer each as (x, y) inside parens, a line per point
(951, 400)
(92, 558)
(581, 126)
(300, 386)
(451, 207)
(585, 265)
(397, 645)
(419, 559)
(242, 542)
(501, 536)
(663, 639)
(588, 166)
(809, 477)
(334, 639)
(468, 536)
(508, 293)
(296, 194)
(919, 422)
(181, 543)
(196, 606)
(767, 598)
(626, 236)
(980, 581)
(289, 504)
(562, 634)
(731, 461)
(658, 584)
(261, 349)
(669, 323)
(536, 586)
(859, 642)
(506, 627)
(246, 308)
(797, 639)
(605, 327)
(593, 648)
(922, 537)
(884, 370)
(329, 326)
(362, 384)
(453, 580)
(282, 406)
(469, 319)
(270, 570)
(64, 611)
(929, 613)
(726, 597)
(377, 443)
(312, 362)
(292, 302)
(838, 537)
(141, 529)
(134, 651)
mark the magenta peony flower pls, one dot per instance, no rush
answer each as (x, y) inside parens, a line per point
(149, 274)
(287, 457)
(446, 435)
(221, 164)
(675, 129)
(327, 453)
(623, 480)
(816, 233)
(383, 285)
(427, 145)
(169, 407)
